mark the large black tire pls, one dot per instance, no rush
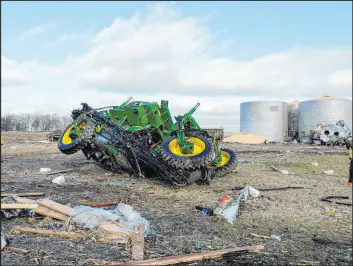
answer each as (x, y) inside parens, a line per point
(79, 142)
(228, 166)
(188, 162)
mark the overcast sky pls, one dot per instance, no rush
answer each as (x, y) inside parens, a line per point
(56, 55)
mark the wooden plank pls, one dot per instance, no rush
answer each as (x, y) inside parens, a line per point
(191, 257)
(59, 172)
(18, 250)
(18, 206)
(42, 210)
(96, 204)
(22, 194)
(51, 233)
(138, 243)
(262, 236)
(55, 206)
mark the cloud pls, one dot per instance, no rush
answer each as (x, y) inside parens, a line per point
(72, 36)
(161, 54)
(35, 31)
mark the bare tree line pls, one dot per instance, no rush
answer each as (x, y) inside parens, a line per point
(34, 122)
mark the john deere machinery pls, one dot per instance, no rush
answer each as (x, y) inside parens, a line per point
(141, 139)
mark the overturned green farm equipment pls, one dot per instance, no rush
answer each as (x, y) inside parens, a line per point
(141, 139)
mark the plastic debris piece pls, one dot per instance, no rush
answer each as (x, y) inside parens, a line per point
(59, 180)
(328, 172)
(122, 182)
(231, 211)
(276, 237)
(132, 217)
(3, 241)
(205, 211)
(285, 172)
(44, 170)
(9, 213)
(198, 244)
(16, 147)
(314, 164)
(88, 217)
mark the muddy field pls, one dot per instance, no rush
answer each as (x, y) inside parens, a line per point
(311, 233)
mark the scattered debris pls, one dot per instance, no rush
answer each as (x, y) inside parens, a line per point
(132, 217)
(59, 180)
(18, 250)
(285, 172)
(9, 213)
(231, 211)
(138, 247)
(95, 204)
(329, 134)
(22, 194)
(269, 189)
(328, 172)
(16, 147)
(314, 164)
(328, 199)
(261, 236)
(18, 206)
(331, 212)
(51, 232)
(44, 170)
(59, 172)
(192, 257)
(243, 161)
(276, 237)
(88, 217)
(37, 141)
(205, 211)
(123, 182)
(43, 210)
(3, 241)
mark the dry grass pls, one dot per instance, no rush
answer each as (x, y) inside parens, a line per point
(297, 216)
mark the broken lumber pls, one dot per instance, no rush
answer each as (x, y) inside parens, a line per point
(55, 206)
(22, 194)
(138, 243)
(18, 206)
(256, 235)
(18, 250)
(42, 210)
(59, 172)
(191, 257)
(96, 204)
(66, 210)
(51, 233)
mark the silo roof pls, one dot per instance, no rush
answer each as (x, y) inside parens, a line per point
(294, 102)
(327, 98)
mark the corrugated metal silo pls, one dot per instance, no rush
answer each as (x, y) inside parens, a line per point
(265, 118)
(323, 110)
(293, 118)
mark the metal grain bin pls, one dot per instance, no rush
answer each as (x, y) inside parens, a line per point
(323, 110)
(265, 118)
(293, 118)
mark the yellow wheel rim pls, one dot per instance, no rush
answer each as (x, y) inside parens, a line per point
(66, 137)
(225, 159)
(199, 146)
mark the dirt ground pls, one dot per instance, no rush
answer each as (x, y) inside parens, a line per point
(310, 233)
